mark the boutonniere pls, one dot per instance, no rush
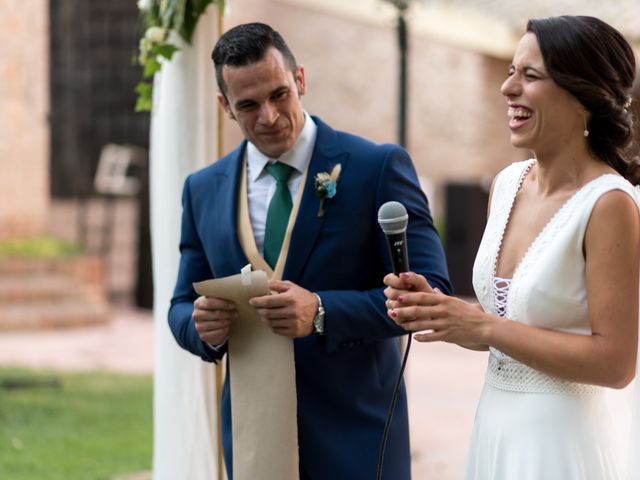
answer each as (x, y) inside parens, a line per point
(326, 186)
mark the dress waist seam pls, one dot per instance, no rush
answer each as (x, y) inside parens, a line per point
(510, 375)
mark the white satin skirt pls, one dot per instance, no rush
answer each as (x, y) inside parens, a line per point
(530, 426)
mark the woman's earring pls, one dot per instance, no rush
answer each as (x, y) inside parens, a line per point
(586, 131)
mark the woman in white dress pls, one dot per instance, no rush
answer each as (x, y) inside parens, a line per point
(556, 274)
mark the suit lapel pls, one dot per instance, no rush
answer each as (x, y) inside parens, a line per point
(229, 253)
(326, 154)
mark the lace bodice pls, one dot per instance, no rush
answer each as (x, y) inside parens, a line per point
(548, 286)
(500, 294)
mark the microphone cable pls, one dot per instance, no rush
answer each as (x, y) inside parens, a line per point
(392, 406)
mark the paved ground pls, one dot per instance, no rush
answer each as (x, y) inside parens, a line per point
(125, 344)
(444, 381)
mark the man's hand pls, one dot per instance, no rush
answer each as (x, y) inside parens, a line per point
(213, 317)
(288, 311)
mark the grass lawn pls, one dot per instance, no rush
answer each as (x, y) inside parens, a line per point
(73, 426)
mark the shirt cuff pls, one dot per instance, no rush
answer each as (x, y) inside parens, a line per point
(215, 348)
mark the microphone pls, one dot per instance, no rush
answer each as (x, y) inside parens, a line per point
(393, 220)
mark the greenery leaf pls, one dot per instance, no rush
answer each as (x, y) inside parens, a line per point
(151, 67)
(179, 13)
(167, 13)
(144, 101)
(143, 104)
(143, 88)
(188, 24)
(165, 50)
(193, 11)
(180, 16)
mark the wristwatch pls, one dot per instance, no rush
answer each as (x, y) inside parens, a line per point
(318, 320)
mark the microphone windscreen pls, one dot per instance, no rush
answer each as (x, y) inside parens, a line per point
(393, 218)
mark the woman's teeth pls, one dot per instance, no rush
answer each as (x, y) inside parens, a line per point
(519, 113)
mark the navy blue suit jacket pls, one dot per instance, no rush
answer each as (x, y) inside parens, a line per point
(345, 378)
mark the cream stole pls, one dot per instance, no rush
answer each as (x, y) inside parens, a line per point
(262, 375)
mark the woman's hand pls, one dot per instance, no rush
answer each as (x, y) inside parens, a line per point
(404, 283)
(415, 306)
(441, 318)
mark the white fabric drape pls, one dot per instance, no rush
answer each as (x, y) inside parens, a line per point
(634, 443)
(182, 140)
(625, 408)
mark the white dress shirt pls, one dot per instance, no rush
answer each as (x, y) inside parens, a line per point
(261, 186)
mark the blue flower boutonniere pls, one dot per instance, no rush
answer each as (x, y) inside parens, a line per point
(326, 186)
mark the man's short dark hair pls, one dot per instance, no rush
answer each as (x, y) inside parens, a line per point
(246, 44)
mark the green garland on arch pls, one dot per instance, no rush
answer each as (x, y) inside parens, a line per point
(160, 17)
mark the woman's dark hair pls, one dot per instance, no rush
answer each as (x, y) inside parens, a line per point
(246, 44)
(594, 63)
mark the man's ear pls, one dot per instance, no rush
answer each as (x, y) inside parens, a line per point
(300, 80)
(224, 103)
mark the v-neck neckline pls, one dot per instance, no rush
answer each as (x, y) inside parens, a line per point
(541, 232)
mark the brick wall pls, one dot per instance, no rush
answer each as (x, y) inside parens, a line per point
(457, 123)
(456, 116)
(24, 137)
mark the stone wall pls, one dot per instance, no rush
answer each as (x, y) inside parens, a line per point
(24, 130)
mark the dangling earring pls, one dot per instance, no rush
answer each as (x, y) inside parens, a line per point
(586, 131)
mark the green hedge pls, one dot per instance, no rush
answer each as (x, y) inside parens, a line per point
(39, 247)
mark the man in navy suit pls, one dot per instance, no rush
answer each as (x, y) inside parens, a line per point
(330, 301)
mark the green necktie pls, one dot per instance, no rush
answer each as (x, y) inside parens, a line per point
(278, 213)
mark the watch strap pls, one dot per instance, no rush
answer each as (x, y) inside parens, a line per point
(318, 319)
